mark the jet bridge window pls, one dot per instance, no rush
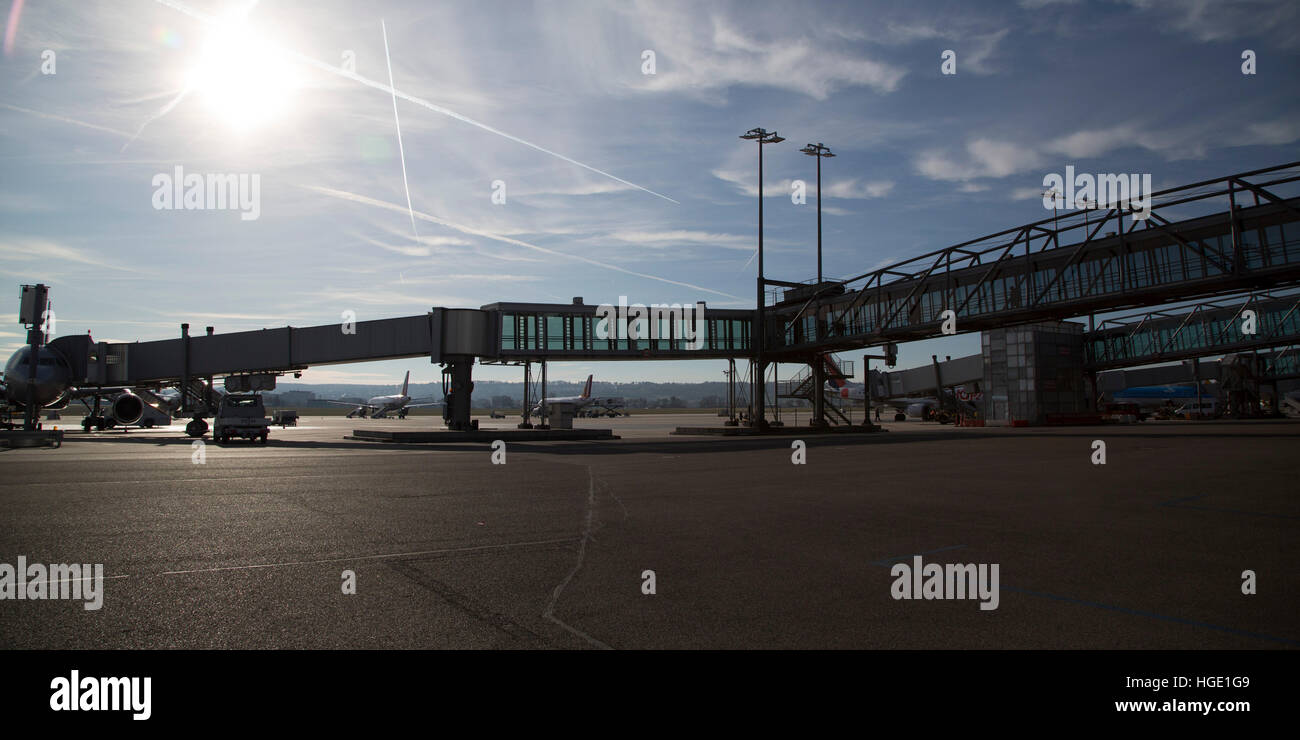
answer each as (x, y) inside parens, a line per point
(508, 331)
(555, 332)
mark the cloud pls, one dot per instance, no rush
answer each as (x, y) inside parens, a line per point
(973, 39)
(993, 158)
(504, 239)
(50, 252)
(746, 183)
(852, 189)
(684, 236)
(576, 189)
(421, 246)
(982, 158)
(704, 56)
(1037, 4)
(1224, 20)
(64, 119)
(1269, 133)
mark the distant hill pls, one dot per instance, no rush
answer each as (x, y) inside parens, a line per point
(690, 394)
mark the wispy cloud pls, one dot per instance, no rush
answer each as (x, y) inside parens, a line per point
(49, 252)
(683, 236)
(709, 55)
(509, 240)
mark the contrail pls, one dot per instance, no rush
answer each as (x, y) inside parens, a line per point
(505, 239)
(417, 101)
(73, 121)
(401, 153)
(161, 112)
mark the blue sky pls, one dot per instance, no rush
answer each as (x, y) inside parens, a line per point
(924, 159)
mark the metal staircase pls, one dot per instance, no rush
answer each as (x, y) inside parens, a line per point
(801, 386)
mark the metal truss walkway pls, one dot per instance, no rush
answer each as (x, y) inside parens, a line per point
(1212, 328)
(1076, 264)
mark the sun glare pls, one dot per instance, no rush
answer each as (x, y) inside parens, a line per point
(243, 80)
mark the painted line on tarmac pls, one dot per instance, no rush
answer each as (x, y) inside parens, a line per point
(367, 557)
(549, 612)
(325, 561)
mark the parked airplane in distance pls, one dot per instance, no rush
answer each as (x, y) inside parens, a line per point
(581, 400)
(904, 406)
(379, 407)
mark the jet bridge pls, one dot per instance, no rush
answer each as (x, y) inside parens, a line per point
(453, 337)
(1253, 322)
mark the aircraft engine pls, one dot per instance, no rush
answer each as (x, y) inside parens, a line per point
(127, 408)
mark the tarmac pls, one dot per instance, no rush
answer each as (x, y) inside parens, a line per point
(249, 546)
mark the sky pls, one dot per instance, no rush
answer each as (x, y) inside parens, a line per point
(609, 180)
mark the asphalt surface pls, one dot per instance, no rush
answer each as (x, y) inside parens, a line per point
(248, 548)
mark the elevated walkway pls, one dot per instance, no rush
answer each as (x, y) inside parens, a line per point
(1211, 328)
(1074, 264)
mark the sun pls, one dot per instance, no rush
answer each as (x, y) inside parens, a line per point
(245, 81)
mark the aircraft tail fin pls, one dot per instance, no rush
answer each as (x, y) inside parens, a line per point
(836, 380)
(405, 381)
(586, 390)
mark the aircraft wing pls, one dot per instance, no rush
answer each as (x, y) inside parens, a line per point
(903, 402)
(350, 403)
(80, 393)
(422, 405)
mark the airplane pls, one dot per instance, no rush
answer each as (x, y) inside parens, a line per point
(1156, 395)
(903, 406)
(379, 407)
(580, 401)
(126, 407)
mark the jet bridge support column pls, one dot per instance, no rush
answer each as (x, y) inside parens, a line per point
(818, 391)
(458, 336)
(458, 387)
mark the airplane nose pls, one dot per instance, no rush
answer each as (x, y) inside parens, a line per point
(52, 377)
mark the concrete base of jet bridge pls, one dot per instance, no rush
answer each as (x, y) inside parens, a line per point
(38, 438)
(779, 431)
(481, 435)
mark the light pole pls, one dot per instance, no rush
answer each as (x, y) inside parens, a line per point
(1056, 198)
(763, 136)
(818, 150)
(1086, 205)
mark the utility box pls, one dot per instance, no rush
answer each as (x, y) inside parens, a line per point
(561, 415)
(31, 309)
(250, 383)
